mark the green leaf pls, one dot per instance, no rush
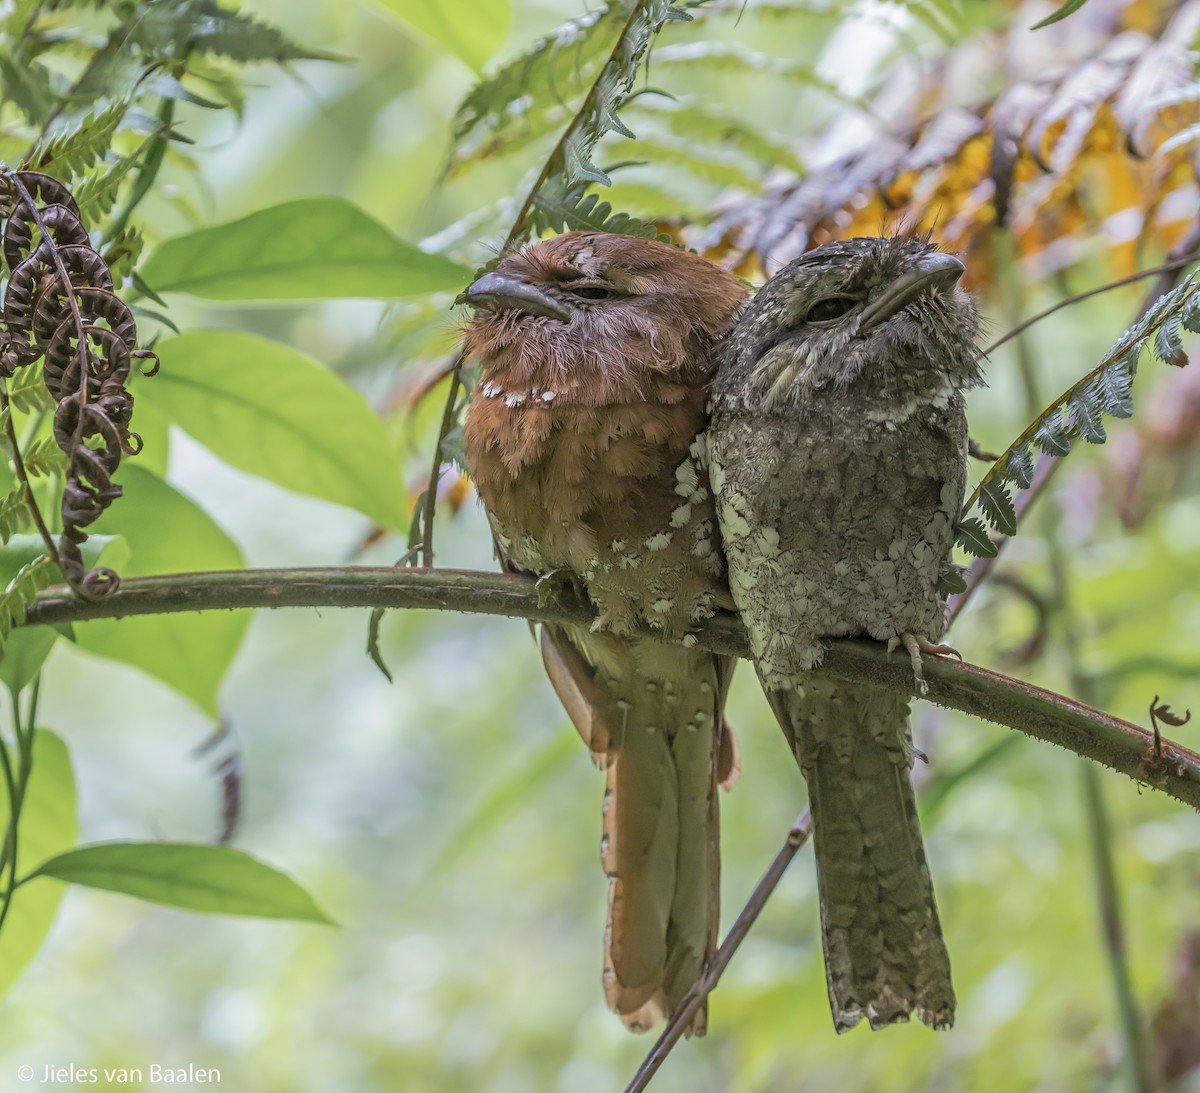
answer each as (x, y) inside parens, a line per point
(472, 38)
(269, 410)
(26, 649)
(310, 249)
(1087, 417)
(48, 827)
(973, 537)
(1059, 14)
(213, 879)
(1019, 466)
(997, 506)
(1051, 436)
(951, 581)
(25, 652)
(168, 533)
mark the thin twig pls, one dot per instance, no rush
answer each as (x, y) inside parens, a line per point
(1167, 267)
(429, 502)
(694, 999)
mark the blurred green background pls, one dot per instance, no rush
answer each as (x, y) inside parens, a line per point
(449, 822)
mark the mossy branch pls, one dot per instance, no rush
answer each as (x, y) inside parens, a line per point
(1045, 715)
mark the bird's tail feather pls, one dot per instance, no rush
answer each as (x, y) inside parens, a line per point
(884, 953)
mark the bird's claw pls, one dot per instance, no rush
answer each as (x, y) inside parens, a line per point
(918, 646)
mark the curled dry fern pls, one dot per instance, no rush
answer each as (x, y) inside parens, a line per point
(59, 308)
(1078, 413)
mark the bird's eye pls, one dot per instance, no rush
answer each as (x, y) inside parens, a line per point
(592, 292)
(832, 308)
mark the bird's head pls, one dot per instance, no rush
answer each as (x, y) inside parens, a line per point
(886, 313)
(591, 303)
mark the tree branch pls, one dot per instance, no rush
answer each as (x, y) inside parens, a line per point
(1053, 718)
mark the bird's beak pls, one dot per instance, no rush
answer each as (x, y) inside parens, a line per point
(933, 272)
(496, 291)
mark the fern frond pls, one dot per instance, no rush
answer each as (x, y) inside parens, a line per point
(21, 591)
(44, 457)
(27, 391)
(733, 57)
(571, 164)
(700, 123)
(1079, 412)
(521, 101)
(97, 193)
(14, 513)
(561, 210)
(75, 149)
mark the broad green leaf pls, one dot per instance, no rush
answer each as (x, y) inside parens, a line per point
(269, 410)
(473, 38)
(197, 877)
(311, 249)
(48, 827)
(167, 533)
(25, 652)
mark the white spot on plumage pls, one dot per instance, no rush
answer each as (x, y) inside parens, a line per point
(658, 542)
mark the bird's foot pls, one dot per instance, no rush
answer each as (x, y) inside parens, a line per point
(918, 646)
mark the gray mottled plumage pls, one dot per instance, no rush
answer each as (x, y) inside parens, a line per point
(837, 454)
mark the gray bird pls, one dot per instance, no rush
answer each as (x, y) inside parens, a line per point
(837, 453)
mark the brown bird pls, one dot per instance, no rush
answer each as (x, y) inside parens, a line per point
(581, 438)
(837, 452)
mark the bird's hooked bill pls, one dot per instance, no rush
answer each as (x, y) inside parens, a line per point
(497, 291)
(934, 271)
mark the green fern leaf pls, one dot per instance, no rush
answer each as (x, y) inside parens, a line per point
(1086, 417)
(14, 513)
(1190, 315)
(27, 391)
(1116, 388)
(1052, 437)
(560, 210)
(1168, 343)
(75, 149)
(22, 590)
(951, 581)
(997, 506)
(1019, 467)
(525, 97)
(972, 536)
(97, 193)
(44, 457)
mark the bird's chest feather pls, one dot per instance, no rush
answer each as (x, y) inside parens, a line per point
(836, 523)
(562, 479)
